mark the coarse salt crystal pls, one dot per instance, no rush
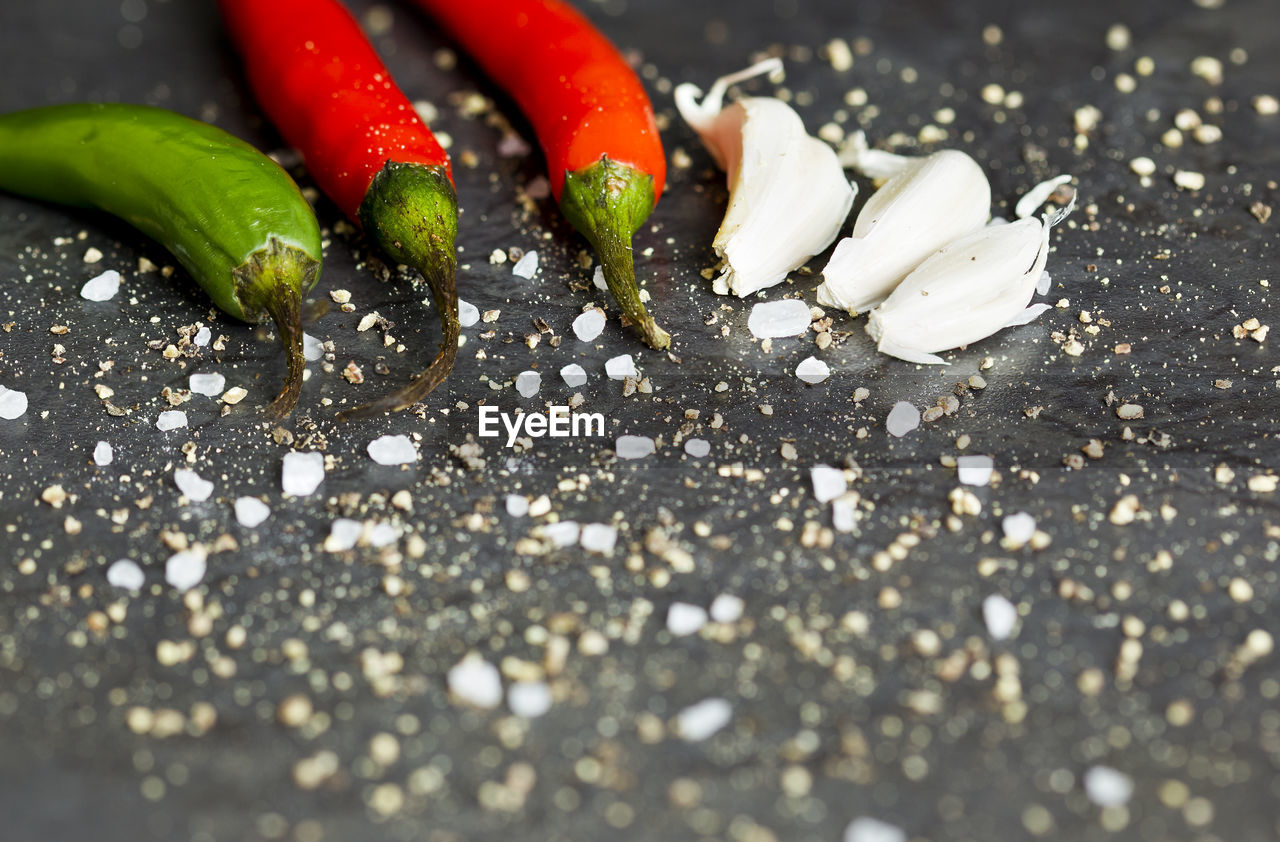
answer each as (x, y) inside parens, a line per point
(343, 535)
(902, 419)
(574, 375)
(517, 505)
(813, 370)
(312, 348)
(202, 337)
(684, 618)
(184, 570)
(867, 829)
(207, 384)
(697, 448)
(528, 383)
(597, 279)
(634, 447)
(727, 608)
(251, 512)
(527, 265)
(844, 517)
(529, 699)
(599, 537)
(974, 470)
(1000, 615)
(393, 450)
(126, 574)
(468, 313)
(588, 326)
(828, 482)
(777, 319)
(1018, 528)
(620, 367)
(384, 534)
(1108, 787)
(102, 288)
(563, 533)
(475, 681)
(13, 404)
(103, 454)
(171, 419)
(196, 488)
(702, 720)
(302, 473)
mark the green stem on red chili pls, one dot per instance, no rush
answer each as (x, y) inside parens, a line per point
(593, 119)
(330, 96)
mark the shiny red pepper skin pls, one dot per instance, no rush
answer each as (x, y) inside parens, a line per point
(593, 119)
(330, 96)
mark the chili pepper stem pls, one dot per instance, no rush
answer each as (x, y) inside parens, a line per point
(608, 202)
(270, 283)
(411, 211)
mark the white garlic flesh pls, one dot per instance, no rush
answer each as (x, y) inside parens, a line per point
(788, 196)
(966, 291)
(925, 204)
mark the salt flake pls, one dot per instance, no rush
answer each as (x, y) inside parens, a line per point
(1108, 787)
(813, 370)
(974, 470)
(563, 533)
(127, 575)
(312, 348)
(574, 375)
(828, 482)
(702, 720)
(902, 419)
(393, 450)
(251, 512)
(302, 473)
(727, 608)
(777, 319)
(475, 681)
(196, 488)
(202, 337)
(103, 454)
(599, 538)
(171, 419)
(697, 448)
(184, 570)
(684, 619)
(528, 383)
(589, 325)
(526, 266)
(207, 384)
(529, 699)
(620, 367)
(867, 829)
(102, 288)
(344, 532)
(634, 447)
(468, 313)
(1000, 615)
(517, 505)
(1018, 528)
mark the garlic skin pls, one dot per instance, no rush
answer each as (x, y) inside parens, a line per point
(925, 204)
(788, 196)
(966, 291)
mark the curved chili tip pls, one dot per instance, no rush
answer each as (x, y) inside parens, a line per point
(411, 211)
(608, 202)
(271, 281)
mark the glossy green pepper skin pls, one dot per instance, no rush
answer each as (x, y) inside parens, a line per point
(230, 215)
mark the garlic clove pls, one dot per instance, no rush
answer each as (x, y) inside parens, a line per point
(966, 291)
(925, 204)
(788, 196)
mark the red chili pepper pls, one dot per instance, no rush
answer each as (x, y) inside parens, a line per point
(331, 97)
(592, 116)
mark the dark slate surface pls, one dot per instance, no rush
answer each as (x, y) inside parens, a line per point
(835, 715)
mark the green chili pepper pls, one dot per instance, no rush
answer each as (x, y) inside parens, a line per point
(232, 217)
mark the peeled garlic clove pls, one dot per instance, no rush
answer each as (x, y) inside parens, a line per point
(966, 291)
(925, 204)
(788, 196)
